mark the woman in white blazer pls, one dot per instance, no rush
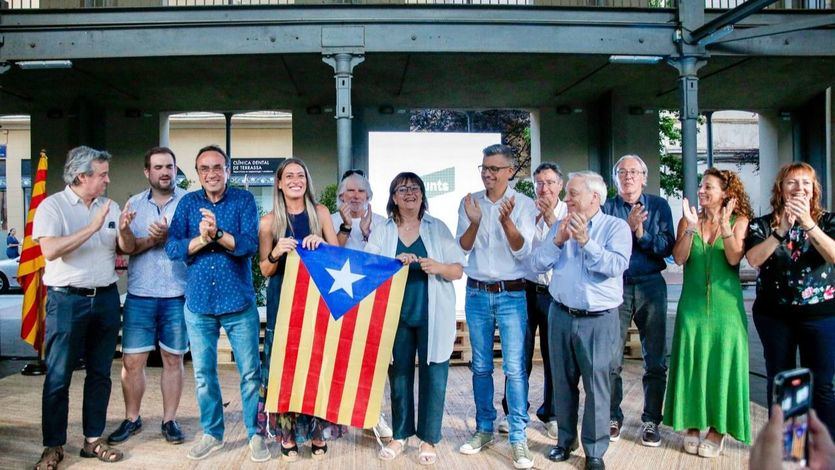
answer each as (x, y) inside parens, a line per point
(427, 319)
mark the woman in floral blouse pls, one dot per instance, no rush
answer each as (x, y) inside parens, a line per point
(794, 249)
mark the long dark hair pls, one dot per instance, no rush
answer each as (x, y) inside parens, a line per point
(404, 178)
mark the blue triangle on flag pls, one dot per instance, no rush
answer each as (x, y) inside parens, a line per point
(344, 277)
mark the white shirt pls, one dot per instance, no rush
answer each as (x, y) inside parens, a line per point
(541, 230)
(441, 247)
(93, 264)
(491, 258)
(355, 241)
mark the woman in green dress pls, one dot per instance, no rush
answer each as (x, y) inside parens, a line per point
(708, 380)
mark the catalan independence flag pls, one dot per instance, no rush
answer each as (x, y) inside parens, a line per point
(336, 322)
(30, 269)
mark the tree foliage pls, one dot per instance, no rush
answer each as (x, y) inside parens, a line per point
(672, 172)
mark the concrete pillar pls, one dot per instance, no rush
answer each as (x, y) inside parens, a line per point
(343, 64)
(164, 129)
(770, 161)
(536, 147)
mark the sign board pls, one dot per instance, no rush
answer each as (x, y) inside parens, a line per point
(255, 166)
(2, 151)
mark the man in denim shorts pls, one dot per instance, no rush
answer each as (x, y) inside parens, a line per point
(153, 311)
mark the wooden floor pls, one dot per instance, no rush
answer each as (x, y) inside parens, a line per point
(20, 435)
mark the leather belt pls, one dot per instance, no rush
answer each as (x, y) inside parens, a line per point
(537, 287)
(496, 287)
(576, 312)
(83, 291)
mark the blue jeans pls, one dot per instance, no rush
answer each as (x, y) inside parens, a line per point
(78, 327)
(646, 302)
(151, 320)
(242, 329)
(508, 311)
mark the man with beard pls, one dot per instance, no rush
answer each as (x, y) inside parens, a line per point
(354, 217)
(153, 312)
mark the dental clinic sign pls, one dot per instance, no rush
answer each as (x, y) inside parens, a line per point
(255, 166)
(439, 182)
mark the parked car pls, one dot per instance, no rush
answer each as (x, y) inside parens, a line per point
(8, 275)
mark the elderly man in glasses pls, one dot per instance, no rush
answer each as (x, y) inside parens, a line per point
(215, 231)
(644, 292)
(495, 228)
(356, 222)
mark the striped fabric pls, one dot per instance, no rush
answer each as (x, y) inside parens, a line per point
(330, 357)
(30, 269)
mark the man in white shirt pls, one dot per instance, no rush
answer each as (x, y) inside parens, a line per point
(79, 231)
(495, 228)
(548, 183)
(354, 217)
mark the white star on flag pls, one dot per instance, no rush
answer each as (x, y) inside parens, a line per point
(344, 279)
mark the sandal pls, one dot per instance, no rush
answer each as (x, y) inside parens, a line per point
(390, 452)
(318, 452)
(289, 454)
(50, 458)
(427, 457)
(100, 450)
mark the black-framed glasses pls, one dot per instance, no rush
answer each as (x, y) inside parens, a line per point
(492, 169)
(353, 172)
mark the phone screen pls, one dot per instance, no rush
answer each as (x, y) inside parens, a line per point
(793, 392)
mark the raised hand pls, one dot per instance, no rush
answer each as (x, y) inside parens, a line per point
(690, 214)
(506, 209)
(101, 215)
(211, 222)
(578, 228)
(312, 241)
(799, 207)
(430, 266)
(345, 213)
(725, 217)
(546, 206)
(563, 234)
(159, 230)
(472, 209)
(126, 217)
(365, 222)
(636, 218)
(407, 258)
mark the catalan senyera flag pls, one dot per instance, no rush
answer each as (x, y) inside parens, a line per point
(335, 327)
(30, 269)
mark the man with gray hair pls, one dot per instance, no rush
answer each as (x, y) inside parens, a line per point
(644, 292)
(80, 231)
(588, 252)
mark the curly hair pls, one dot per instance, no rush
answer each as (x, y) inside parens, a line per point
(733, 188)
(778, 204)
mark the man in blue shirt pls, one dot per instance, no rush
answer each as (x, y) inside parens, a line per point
(153, 312)
(215, 232)
(644, 292)
(588, 252)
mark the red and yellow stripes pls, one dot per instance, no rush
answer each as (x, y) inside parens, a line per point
(30, 269)
(334, 369)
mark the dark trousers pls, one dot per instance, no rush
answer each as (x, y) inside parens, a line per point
(86, 327)
(644, 301)
(538, 304)
(432, 380)
(782, 333)
(581, 348)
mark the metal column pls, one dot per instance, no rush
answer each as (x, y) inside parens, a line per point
(689, 117)
(709, 126)
(343, 64)
(228, 117)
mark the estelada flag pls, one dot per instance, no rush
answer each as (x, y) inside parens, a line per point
(31, 266)
(335, 327)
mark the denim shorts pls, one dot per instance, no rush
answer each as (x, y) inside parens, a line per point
(151, 320)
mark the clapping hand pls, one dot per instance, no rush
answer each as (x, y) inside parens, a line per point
(546, 206)
(562, 232)
(725, 216)
(101, 215)
(506, 208)
(636, 219)
(578, 228)
(208, 225)
(472, 209)
(690, 214)
(798, 206)
(126, 217)
(158, 230)
(365, 222)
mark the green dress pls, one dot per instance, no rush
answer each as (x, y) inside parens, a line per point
(708, 378)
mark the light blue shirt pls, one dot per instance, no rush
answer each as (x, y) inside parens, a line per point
(588, 277)
(151, 273)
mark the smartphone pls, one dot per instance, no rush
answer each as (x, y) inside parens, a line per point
(793, 391)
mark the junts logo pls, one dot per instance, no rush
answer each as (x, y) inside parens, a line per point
(439, 182)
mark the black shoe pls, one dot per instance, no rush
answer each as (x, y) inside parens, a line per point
(559, 454)
(125, 430)
(649, 434)
(595, 463)
(172, 433)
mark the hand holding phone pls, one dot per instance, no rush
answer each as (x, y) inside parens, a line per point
(793, 393)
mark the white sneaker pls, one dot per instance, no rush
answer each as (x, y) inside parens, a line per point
(551, 429)
(504, 428)
(383, 429)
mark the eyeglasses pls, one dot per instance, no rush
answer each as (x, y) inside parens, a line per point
(632, 173)
(205, 170)
(353, 172)
(492, 169)
(540, 184)
(403, 190)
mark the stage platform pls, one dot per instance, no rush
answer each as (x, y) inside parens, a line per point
(20, 434)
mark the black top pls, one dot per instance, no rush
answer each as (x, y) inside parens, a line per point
(649, 251)
(795, 274)
(415, 311)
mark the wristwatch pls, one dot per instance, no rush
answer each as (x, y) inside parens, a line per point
(218, 235)
(780, 238)
(346, 228)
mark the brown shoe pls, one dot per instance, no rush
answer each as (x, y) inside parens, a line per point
(614, 430)
(50, 458)
(100, 450)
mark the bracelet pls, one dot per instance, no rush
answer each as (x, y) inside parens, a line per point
(780, 238)
(271, 259)
(690, 231)
(725, 237)
(814, 226)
